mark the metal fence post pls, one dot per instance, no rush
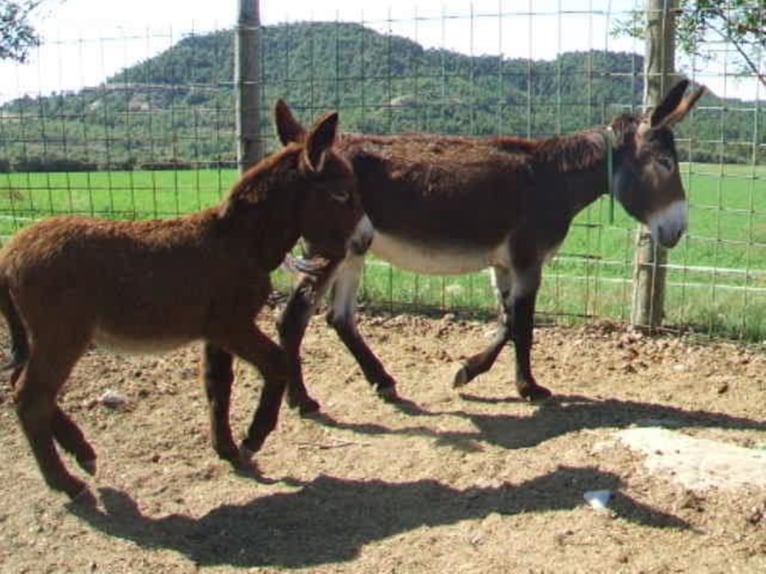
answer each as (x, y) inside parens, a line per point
(659, 64)
(247, 81)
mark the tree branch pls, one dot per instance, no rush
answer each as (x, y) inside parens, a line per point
(748, 61)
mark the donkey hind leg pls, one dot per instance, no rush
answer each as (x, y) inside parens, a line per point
(342, 317)
(40, 417)
(483, 361)
(218, 376)
(67, 433)
(72, 440)
(248, 342)
(526, 282)
(292, 327)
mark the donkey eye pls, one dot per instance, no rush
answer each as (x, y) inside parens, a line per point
(339, 195)
(666, 164)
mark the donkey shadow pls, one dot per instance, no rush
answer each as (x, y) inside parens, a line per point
(329, 520)
(553, 418)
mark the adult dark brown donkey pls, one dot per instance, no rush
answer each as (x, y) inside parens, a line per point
(457, 205)
(149, 286)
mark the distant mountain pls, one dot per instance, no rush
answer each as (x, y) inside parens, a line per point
(178, 107)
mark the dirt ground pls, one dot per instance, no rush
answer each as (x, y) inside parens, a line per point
(447, 481)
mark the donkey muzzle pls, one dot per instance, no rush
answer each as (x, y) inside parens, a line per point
(668, 224)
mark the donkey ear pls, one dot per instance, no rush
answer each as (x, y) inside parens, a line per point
(288, 128)
(664, 111)
(320, 140)
(685, 106)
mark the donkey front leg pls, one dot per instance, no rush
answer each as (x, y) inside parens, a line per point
(218, 375)
(342, 317)
(248, 342)
(525, 284)
(292, 327)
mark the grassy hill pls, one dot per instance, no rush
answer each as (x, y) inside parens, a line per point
(177, 109)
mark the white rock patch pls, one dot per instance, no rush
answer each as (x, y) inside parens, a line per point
(697, 463)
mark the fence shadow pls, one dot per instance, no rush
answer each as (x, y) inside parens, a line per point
(329, 520)
(557, 417)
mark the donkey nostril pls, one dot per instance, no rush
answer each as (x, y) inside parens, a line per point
(669, 237)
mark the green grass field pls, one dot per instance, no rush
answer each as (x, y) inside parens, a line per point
(716, 279)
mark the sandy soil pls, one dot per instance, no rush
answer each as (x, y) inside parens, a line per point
(476, 481)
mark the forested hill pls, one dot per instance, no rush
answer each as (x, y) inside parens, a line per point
(178, 107)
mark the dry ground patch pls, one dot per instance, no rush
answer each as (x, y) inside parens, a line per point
(476, 481)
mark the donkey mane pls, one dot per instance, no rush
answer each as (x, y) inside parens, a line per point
(577, 152)
(254, 185)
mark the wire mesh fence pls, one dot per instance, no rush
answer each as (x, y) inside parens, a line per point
(156, 138)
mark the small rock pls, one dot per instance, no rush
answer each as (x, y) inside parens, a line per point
(757, 514)
(691, 500)
(630, 354)
(561, 537)
(722, 388)
(113, 399)
(189, 374)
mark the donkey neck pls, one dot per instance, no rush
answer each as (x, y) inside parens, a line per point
(259, 219)
(577, 166)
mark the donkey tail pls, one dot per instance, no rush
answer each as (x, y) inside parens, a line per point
(18, 332)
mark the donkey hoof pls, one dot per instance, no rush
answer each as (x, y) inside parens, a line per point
(88, 466)
(84, 497)
(308, 408)
(76, 490)
(461, 378)
(306, 405)
(229, 453)
(535, 393)
(247, 449)
(245, 455)
(388, 394)
(244, 462)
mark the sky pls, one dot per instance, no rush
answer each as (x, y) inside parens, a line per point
(86, 41)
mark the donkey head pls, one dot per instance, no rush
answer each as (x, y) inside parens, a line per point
(330, 207)
(647, 180)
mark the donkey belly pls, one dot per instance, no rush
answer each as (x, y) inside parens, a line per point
(136, 344)
(145, 326)
(437, 259)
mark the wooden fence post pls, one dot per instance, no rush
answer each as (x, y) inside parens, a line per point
(247, 79)
(659, 65)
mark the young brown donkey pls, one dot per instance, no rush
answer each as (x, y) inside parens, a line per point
(457, 205)
(149, 286)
